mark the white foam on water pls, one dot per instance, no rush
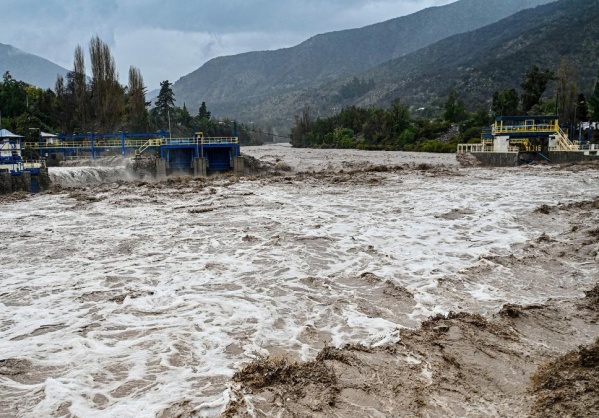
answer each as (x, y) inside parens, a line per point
(89, 176)
(131, 304)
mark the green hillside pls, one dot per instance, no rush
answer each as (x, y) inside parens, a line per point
(495, 57)
(236, 85)
(476, 64)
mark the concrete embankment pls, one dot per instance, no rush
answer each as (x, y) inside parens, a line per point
(24, 182)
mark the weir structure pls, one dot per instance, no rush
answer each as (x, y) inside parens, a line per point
(514, 140)
(198, 155)
(16, 173)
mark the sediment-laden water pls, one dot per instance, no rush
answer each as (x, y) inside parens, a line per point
(139, 299)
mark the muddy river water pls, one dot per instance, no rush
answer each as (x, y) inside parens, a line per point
(142, 299)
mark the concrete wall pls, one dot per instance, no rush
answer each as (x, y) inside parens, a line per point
(160, 168)
(497, 159)
(200, 166)
(5, 183)
(239, 165)
(22, 182)
(511, 159)
(563, 157)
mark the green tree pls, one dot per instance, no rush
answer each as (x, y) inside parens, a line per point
(203, 112)
(137, 114)
(165, 101)
(582, 108)
(566, 88)
(184, 116)
(106, 92)
(301, 129)
(505, 103)
(398, 119)
(534, 85)
(455, 110)
(594, 103)
(13, 96)
(79, 88)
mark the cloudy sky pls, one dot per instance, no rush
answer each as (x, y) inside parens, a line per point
(168, 39)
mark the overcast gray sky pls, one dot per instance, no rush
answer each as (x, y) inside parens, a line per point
(169, 39)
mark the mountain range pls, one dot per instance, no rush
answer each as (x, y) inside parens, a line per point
(475, 63)
(235, 85)
(474, 46)
(30, 68)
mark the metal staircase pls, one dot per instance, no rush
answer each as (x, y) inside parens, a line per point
(564, 143)
(148, 144)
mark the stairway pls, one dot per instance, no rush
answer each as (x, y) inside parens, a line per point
(564, 143)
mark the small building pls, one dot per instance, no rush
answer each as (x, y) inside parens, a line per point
(514, 140)
(15, 172)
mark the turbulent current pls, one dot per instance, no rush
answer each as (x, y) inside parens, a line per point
(88, 176)
(137, 299)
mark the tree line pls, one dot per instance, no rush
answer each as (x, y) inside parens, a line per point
(568, 103)
(395, 128)
(79, 103)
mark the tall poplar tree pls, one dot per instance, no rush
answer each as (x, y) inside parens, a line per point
(594, 103)
(567, 75)
(79, 80)
(136, 110)
(106, 91)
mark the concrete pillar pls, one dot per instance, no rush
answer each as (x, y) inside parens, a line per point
(238, 165)
(44, 179)
(160, 168)
(5, 183)
(26, 181)
(200, 166)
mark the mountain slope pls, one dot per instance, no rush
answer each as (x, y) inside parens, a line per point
(259, 76)
(476, 63)
(496, 56)
(28, 67)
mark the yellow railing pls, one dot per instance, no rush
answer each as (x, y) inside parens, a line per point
(117, 143)
(220, 140)
(564, 143)
(499, 128)
(465, 148)
(33, 164)
(100, 143)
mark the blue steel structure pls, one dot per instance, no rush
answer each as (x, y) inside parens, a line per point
(93, 144)
(178, 152)
(218, 151)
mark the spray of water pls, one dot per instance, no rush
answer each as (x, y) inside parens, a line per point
(92, 172)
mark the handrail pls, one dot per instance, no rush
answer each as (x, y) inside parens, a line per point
(465, 148)
(117, 143)
(564, 142)
(103, 143)
(499, 129)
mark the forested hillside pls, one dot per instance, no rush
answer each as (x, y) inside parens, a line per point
(241, 85)
(79, 104)
(495, 57)
(476, 64)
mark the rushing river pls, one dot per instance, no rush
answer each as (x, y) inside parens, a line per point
(135, 300)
